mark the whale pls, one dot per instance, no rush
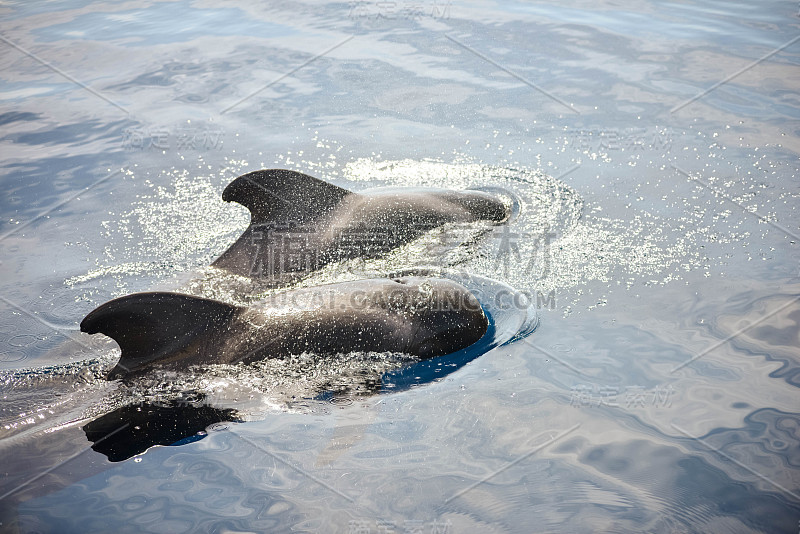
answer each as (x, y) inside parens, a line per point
(299, 224)
(418, 316)
(127, 419)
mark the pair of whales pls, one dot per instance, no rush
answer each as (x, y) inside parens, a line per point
(423, 317)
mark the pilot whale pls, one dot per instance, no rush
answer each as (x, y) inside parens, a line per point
(299, 223)
(423, 317)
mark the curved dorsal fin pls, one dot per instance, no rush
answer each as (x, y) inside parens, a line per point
(151, 326)
(283, 195)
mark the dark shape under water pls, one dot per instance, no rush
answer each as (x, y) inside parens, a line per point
(300, 224)
(423, 317)
(133, 429)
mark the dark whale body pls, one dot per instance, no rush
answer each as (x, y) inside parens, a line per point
(299, 223)
(424, 317)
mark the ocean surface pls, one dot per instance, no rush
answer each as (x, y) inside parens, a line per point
(646, 380)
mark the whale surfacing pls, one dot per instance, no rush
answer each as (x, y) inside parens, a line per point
(423, 317)
(299, 223)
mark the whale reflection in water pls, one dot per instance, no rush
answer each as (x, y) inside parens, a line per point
(133, 429)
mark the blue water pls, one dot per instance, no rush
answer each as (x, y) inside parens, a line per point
(653, 161)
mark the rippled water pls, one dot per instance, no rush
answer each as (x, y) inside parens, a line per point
(652, 162)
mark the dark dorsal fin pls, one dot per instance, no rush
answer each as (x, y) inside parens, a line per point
(283, 195)
(151, 326)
